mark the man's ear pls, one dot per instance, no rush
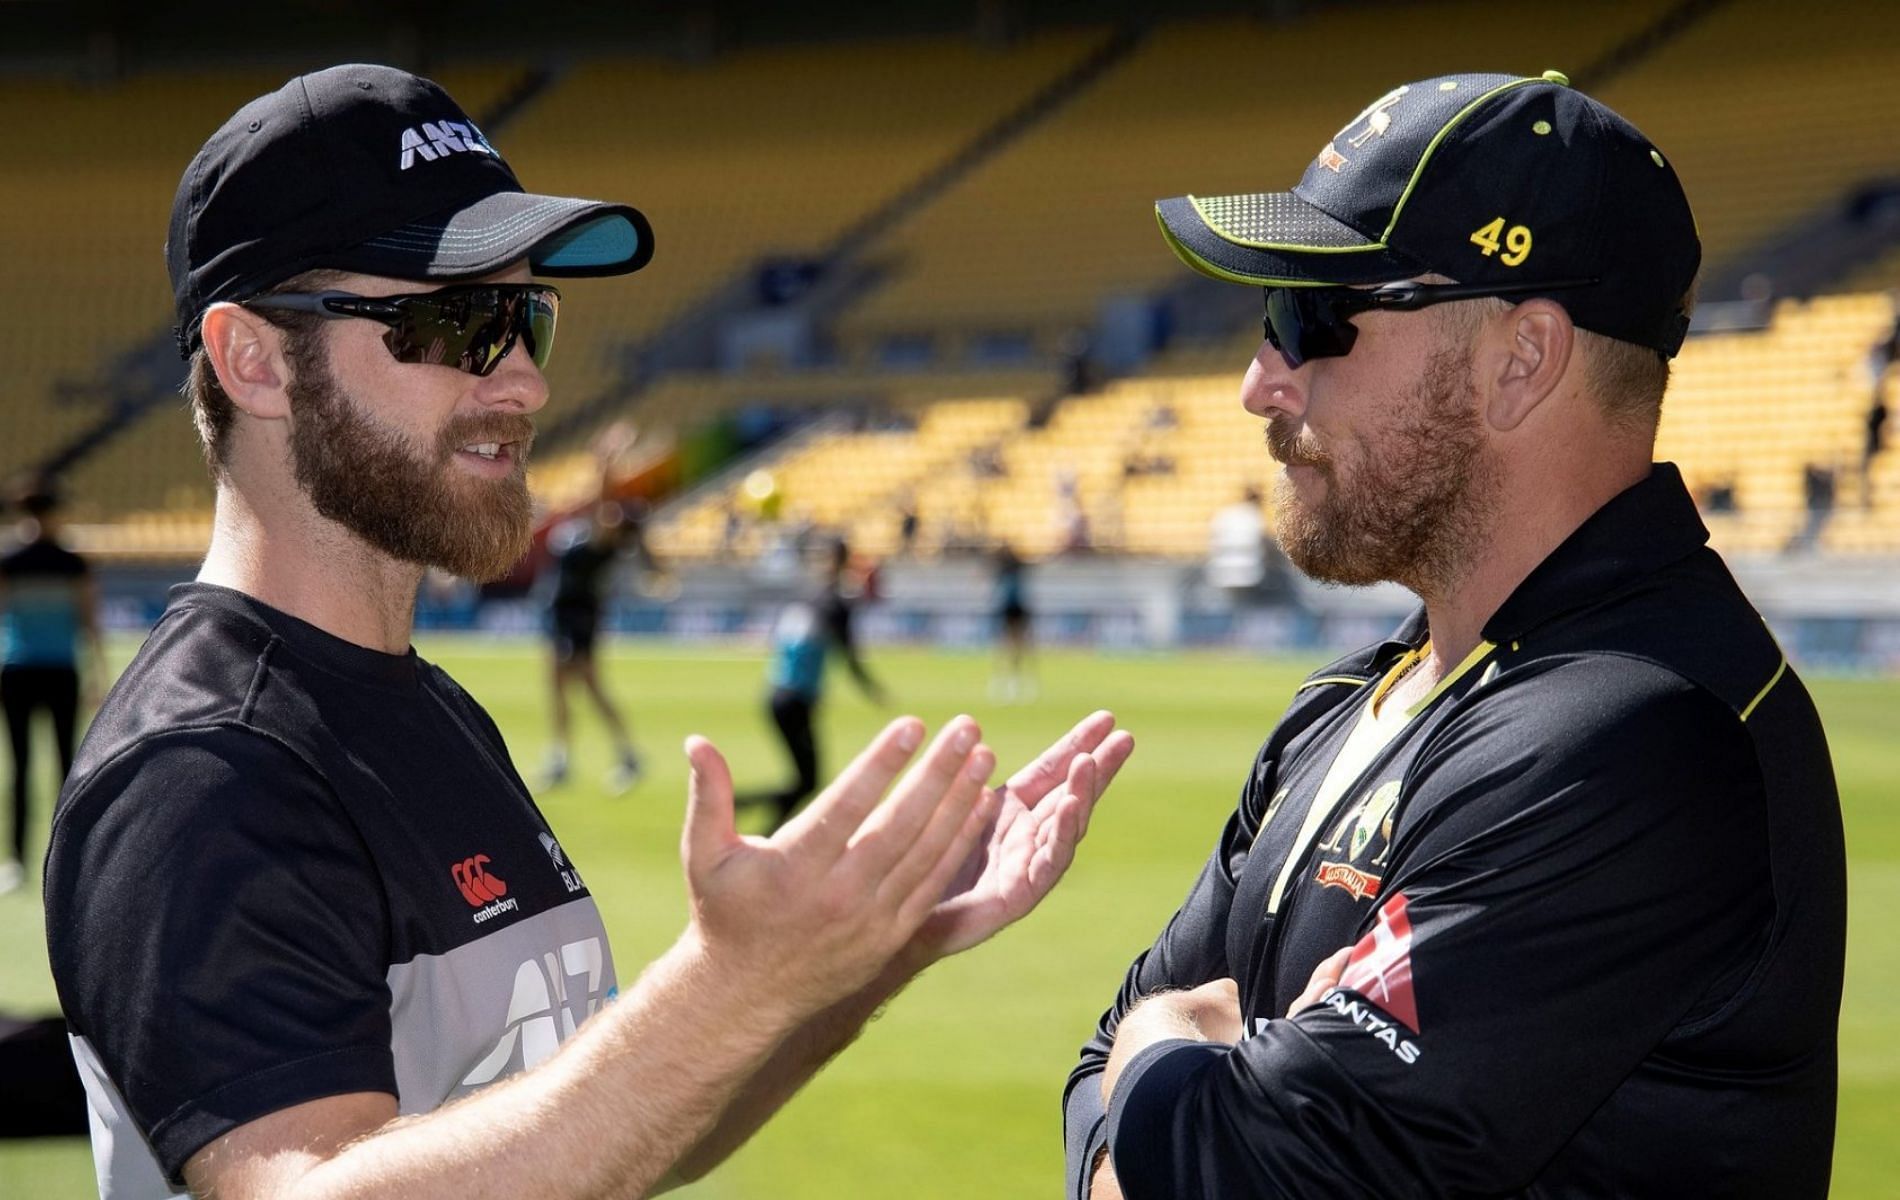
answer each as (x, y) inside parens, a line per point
(1533, 351)
(247, 352)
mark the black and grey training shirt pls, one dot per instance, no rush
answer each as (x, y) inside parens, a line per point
(1595, 890)
(287, 867)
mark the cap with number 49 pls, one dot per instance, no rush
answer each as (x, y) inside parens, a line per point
(1481, 179)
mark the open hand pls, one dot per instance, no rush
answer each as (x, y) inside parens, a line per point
(812, 913)
(1039, 816)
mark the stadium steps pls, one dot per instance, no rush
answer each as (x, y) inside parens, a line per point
(1043, 234)
(687, 341)
(1768, 117)
(1746, 412)
(1838, 248)
(1629, 53)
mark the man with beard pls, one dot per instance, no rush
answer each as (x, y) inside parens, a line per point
(1544, 894)
(301, 911)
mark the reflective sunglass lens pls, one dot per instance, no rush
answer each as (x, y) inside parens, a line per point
(473, 329)
(538, 326)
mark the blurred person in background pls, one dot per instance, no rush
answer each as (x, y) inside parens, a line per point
(1013, 679)
(1073, 534)
(1237, 548)
(49, 606)
(1545, 893)
(804, 637)
(585, 552)
(311, 934)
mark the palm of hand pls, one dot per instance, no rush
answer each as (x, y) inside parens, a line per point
(1040, 816)
(998, 882)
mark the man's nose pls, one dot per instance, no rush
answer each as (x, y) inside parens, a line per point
(516, 384)
(1271, 386)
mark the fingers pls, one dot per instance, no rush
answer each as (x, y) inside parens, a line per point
(935, 846)
(827, 825)
(975, 830)
(938, 779)
(1109, 758)
(709, 831)
(1058, 832)
(1036, 780)
(1324, 978)
(1088, 778)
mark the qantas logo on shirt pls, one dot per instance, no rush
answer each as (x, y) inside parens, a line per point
(1380, 970)
(484, 892)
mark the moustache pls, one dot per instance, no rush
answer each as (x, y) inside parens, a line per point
(487, 427)
(1286, 446)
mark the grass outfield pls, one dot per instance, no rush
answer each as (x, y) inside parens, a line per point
(955, 1091)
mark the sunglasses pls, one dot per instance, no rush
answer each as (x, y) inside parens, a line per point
(1308, 323)
(469, 326)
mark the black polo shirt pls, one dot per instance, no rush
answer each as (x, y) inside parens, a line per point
(1596, 893)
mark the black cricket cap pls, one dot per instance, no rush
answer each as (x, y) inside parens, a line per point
(1482, 179)
(371, 169)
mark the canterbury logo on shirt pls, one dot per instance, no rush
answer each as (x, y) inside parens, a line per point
(436, 139)
(484, 892)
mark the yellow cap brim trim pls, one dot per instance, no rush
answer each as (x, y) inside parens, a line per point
(1291, 247)
(1197, 263)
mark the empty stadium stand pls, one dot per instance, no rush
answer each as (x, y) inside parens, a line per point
(1768, 116)
(1153, 457)
(769, 152)
(1755, 413)
(766, 154)
(1041, 234)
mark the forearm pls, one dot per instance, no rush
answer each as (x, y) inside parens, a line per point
(608, 1116)
(797, 1058)
(1157, 1019)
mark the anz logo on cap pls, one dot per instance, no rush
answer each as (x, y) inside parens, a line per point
(434, 139)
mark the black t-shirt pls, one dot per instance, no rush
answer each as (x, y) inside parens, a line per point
(1596, 895)
(288, 867)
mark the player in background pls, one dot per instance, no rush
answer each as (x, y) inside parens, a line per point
(49, 605)
(1237, 548)
(1013, 680)
(585, 552)
(804, 637)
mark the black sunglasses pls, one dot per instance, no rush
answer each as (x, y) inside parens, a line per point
(468, 326)
(1308, 323)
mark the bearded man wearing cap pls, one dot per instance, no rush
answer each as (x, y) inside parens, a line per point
(310, 932)
(1544, 894)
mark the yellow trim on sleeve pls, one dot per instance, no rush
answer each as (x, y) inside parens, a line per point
(1766, 687)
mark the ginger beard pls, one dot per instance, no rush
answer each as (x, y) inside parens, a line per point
(1415, 506)
(414, 505)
